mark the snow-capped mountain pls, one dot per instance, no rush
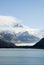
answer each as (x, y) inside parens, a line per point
(9, 37)
(27, 38)
(19, 28)
(19, 33)
(18, 25)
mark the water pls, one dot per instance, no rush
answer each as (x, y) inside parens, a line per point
(21, 57)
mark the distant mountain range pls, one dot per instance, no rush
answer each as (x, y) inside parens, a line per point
(38, 45)
(27, 38)
(18, 34)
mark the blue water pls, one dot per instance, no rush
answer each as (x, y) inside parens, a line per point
(21, 57)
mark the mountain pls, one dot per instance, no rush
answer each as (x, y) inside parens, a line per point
(18, 25)
(19, 33)
(9, 37)
(22, 28)
(27, 38)
(24, 37)
(5, 44)
(40, 44)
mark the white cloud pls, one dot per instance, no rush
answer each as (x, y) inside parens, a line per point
(8, 20)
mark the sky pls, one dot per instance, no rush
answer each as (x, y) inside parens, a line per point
(29, 12)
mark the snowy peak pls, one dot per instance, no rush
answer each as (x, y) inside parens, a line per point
(20, 33)
(18, 25)
(27, 38)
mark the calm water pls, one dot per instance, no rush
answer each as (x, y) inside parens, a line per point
(21, 57)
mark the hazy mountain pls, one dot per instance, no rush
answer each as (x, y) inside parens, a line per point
(18, 25)
(27, 38)
(38, 45)
(19, 33)
(9, 37)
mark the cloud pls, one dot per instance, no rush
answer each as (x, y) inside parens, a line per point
(8, 20)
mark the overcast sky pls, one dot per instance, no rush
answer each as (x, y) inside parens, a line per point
(29, 12)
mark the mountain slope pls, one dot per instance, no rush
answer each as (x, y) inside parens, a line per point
(4, 44)
(40, 44)
(27, 38)
(19, 33)
(8, 36)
